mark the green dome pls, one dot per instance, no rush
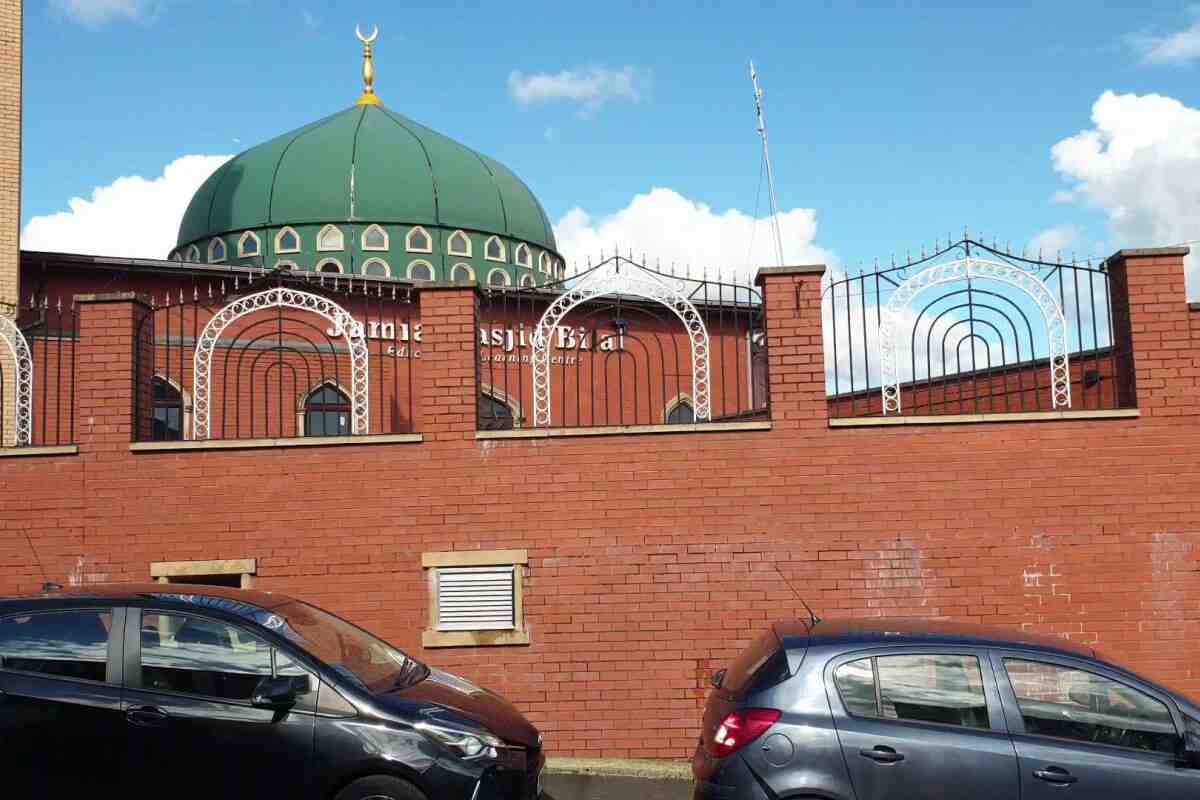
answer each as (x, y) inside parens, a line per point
(365, 165)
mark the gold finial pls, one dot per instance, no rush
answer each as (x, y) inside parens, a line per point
(369, 98)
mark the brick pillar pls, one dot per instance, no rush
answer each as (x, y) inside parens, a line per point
(111, 396)
(448, 365)
(1151, 331)
(10, 198)
(795, 349)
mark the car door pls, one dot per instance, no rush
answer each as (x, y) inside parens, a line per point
(1084, 731)
(62, 733)
(919, 722)
(194, 731)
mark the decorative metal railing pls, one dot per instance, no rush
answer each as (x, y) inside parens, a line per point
(37, 374)
(621, 344)
(277, 356)
(971, 329)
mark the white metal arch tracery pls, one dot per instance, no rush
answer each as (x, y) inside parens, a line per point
(15, 343)
(343, 325)
(1027, 282)
(632, 282)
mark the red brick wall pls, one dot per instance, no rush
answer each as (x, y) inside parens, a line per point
(654, 559)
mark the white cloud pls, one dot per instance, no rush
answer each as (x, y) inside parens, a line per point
(132, 216)
(590, 88)
(1055, 241)
(1181, 47)
(671, 229)
(1140, 165)
(95, 13)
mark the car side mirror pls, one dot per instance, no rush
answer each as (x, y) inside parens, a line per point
(718, 678)
(277, 694)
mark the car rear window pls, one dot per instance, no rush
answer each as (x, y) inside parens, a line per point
(760, 666)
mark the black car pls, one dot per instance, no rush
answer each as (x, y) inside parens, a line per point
(899, 710)
(187, 691)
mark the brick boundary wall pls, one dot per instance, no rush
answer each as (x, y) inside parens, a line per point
(655, 559)
(10, 190)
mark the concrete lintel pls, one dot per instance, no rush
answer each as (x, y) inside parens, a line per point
(252, 444)
(961, 419)
(109, 297)
(23, 452)
(626, 430)
(474, 638)
(182, 569)
(1149, 252)
(437, 286)
(799, 269)
(474, 558)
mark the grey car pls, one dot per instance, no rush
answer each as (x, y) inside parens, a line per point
(883, 709)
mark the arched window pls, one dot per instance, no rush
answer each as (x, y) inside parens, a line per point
(287, 241)
(681, 412)
(193, 254)
(167, 401)
(561, 271)
(544, 263)
(376, 268)
(494, 414)
(375, 238)
(216, 251)
(522, 256)
(494, 249)
(330, 239)
(327, 412)
(248, 245)
(462, 273)
(420, 271)
(527, 281)
(330, 265)
(418, 241)
(498, 277)
(175, 256)
(459, 244)
(286, 266)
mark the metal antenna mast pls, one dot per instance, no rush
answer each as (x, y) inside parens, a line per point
(762, 131)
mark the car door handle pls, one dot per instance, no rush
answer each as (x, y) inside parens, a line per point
(146, 717)
(881, 754)
(1055, 775)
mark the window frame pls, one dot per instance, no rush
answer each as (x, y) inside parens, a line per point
(995, 707)
(517, 635)
(503, 257)
(286, 229)
(420, 262)
(1012, 708)
(193, 254)
(248, 236)
(212, 245)
(303, 410)
(133, 677)
(408, 245)
(387, 239)
(185, 406)
(527, 260)
(507, 278)
(545, 263)
(674, 404)
(387, 268)
(340, 269)
(114, 672)
(470, 271)
(341, 239)
(459, 253)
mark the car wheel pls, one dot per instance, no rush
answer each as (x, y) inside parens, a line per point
(380, 787)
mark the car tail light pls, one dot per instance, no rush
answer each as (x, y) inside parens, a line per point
(740, 728)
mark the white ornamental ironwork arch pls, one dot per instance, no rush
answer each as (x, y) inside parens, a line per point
(15, 343)
(966, 268)
(633, 282)
(344, 325)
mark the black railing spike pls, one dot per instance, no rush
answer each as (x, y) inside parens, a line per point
(908, 256)
(937, 247)
(922, 251)
(966, 233)
(1039, 254)
(893, 260)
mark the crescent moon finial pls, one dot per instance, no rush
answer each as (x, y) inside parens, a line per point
(366, 39)
(368, 72)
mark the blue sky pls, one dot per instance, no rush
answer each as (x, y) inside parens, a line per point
(895, 122)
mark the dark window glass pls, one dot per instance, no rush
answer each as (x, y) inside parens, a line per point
(856, 684)
(498, 278)
(376, 268)
(494, 415)
(330, 266)
(681, 414)
(741, 675)
(289, 241)
(417, 240)
(69, 644)
(462, 273)
(250, 246)
(421, 272)
(1072, 704)
(327, 413)
(168, 411)
(374, 239)
(494, 250)
(199, 656)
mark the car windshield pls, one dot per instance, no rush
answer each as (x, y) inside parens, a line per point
(349, 650)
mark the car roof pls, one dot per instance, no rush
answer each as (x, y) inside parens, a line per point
(898, 632)
(138, 593)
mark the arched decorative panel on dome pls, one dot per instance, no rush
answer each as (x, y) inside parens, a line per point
(527, 281)
(331, 239)
(498, 278)
(248, 245)
(459, 244)
(376, 268)
(343, 325)
(632, 281)
(420, 271)
(287, 240)
(216, 251)
(522, 256)
(462, 273)
(193, 254)
(493, 249)
(965, 269)
(375, 238)
(418, 240)
(330, 265)
(545, 263)
(15, 349)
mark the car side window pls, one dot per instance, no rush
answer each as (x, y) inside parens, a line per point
(1069, 703)
(195, 655)
(946, 689)
(67, 644)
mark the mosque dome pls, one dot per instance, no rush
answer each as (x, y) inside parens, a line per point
(369, 191)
